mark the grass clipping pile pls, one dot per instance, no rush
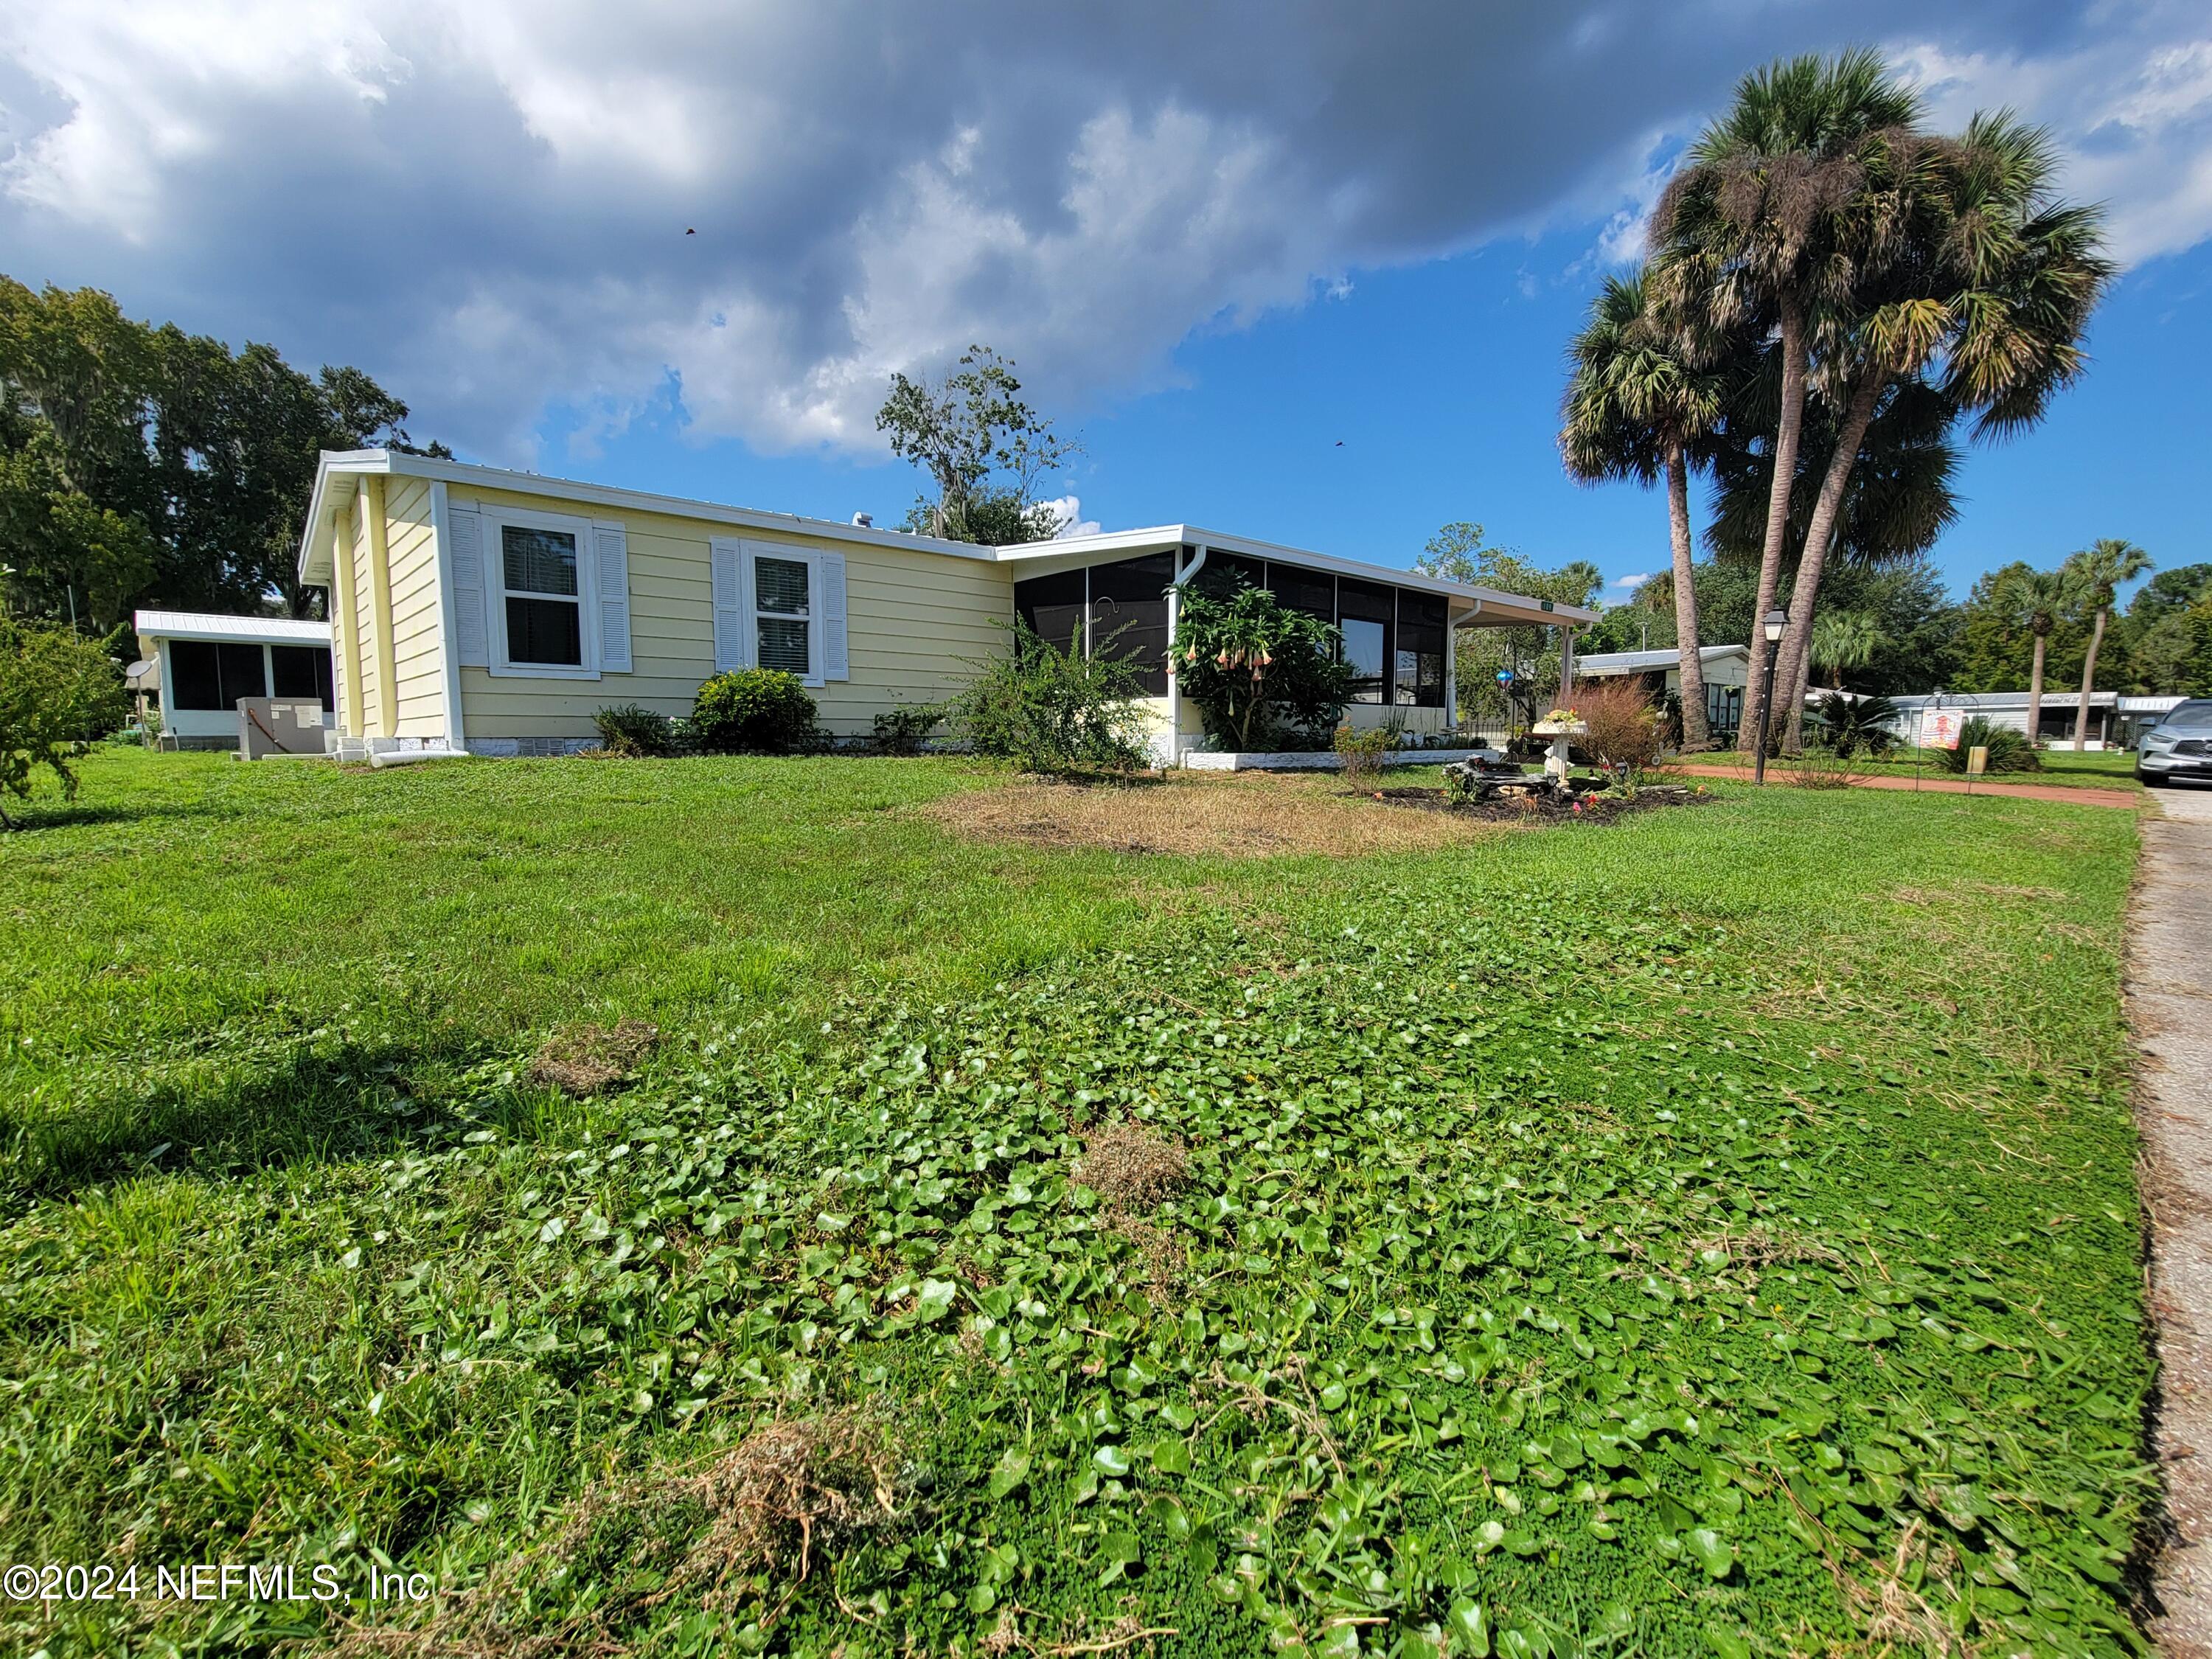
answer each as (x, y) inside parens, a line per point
(715, 1536)
(1135, 1169)
(592, 1058)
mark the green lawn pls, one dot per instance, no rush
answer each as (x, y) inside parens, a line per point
(1711, 1233)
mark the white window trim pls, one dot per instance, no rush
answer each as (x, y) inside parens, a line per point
(495, 593)
(816, 657)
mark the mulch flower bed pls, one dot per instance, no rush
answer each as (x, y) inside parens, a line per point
(1545, 808)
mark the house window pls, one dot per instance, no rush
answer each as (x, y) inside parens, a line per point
(1420, 654)
(1129, 615)
(204, 676)
(1724, 710)
(541, 595)
(545, 601)
(782, 615)
(1365, 611)
(302, 672)
(1054, 606)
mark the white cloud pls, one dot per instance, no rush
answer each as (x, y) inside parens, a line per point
(487, 206)
(1638, 579)
(1068, 509)
(2131, 107)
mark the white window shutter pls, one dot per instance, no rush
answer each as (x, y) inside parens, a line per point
(472, 643)
(611, 546)
(836, 664)
(726, 557)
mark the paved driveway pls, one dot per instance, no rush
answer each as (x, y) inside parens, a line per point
(2169, 1005)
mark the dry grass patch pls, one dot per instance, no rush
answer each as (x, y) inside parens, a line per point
(701, 1535)
(1239, 815)
(589, 1058)
(1133, 1167)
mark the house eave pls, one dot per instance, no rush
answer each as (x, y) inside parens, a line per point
(1486, 606)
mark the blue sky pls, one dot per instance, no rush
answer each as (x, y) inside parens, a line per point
(682, 245)
(1441, 382)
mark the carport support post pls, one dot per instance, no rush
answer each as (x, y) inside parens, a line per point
(1566, 664)
(1184, 573)
(1451, 673)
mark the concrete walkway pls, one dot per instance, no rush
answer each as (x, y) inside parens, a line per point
(2169, 986)
(1935, 782)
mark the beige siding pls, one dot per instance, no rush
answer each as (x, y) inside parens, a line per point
(915, 620)
(417, 608)
(364, 615)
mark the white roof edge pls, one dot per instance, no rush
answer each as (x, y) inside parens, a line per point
(2052, 699)
(1115, 541)
(437, 468)
(1657, 656)
(209, 625)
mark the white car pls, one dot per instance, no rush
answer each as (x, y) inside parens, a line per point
(2179, 746)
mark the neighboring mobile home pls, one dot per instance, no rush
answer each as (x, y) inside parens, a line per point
(1727, 669)
(202, 665)
(493, 611)
(2114, 720)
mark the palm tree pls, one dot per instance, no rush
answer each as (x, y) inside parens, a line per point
(1640, 395)
(1898, 501)
(2037, 600)
(2097, 570)
(1980, 282)
(1757, 231)
(1847, 639)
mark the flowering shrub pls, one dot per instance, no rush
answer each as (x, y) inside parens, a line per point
(1258, 671)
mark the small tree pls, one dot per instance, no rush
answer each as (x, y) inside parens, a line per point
(984, 447)
(1049, 709)
(1255, 667)
(57, 692)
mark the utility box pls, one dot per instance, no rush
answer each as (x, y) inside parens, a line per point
(273, 726)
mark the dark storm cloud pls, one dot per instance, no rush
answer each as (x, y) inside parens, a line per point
(487, 206)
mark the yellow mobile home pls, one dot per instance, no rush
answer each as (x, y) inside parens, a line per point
(480, 611)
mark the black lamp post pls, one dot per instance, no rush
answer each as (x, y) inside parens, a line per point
(1771, 626)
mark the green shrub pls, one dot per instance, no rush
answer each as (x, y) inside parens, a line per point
(1047, 710)
(1365, 753)
(1263, 676)
(2009, 750)
(57, 693)
(754, 711)
(1855, 726)
(631, 728)
(902, 731)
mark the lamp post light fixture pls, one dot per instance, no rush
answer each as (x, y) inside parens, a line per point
(1774, 623)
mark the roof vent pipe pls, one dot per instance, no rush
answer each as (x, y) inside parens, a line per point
(864, 521)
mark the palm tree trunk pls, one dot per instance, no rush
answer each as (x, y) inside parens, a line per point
(1695, 736)
(1793, 740)
(1797, 639)
(1786, 434)
(2035, 691)
(2088, 679)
